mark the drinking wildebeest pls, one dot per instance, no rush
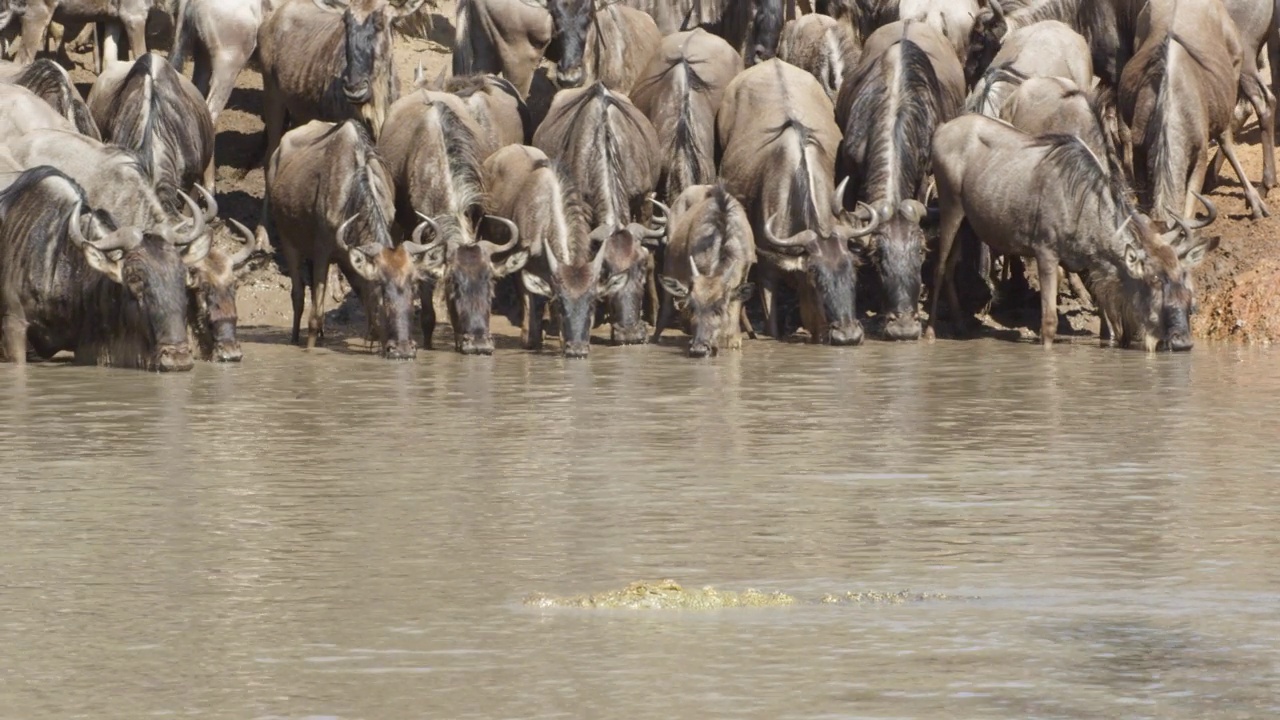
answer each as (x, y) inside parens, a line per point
(329, 198)
(1177, 93)
(1080, 218)
(328, 60)
(611, 151)
(563, 269)
(680, 92)
(211, 313)
(1044, 49)
(114, 181)
(705, 268)
(907, 84)
(822, 45)
(779, 135)
(150, 109)
(51, 83)
(434, 152)
(221, 35)
(36, 15)
(71, 279)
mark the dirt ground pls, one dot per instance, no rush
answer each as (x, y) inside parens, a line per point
(1238, 286)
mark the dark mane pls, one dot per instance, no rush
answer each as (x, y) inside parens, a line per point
(50, 82)
(908, 143)
(994, 74)
(361, 199)
(12, 195)
(467, 85)
(1083, 178)
(604, 140)
(683, 150)
(575, 209)
(461, 149)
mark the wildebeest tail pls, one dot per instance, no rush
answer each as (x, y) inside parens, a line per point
(464, 59)
(48, 80)
(685, 155)
(461, 148)
(1167, 166)
(178, 54)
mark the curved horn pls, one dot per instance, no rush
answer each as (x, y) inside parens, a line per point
(666, 212)
(600, 234)
(73, 226)
(210, 204)
(197, 220)
(426, 224)
(997, 12)
(493, 248)
(340, 236)
(912, 210)
(250, 245)
(693, 267)
(794, 245)
(871, 225)
(837, 197)
(1209, 208)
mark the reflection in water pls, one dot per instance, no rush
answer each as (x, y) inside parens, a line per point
(332, 535)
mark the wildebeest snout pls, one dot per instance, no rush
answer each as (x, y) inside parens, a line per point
(629, 335)
(400, 350)
(570, 77)
(357, 92)
(1179, 342)
(476, 345)
(174, 358)
(851, 334)
(228, 351)
(701, 349)
(576, 349)
(905, 326)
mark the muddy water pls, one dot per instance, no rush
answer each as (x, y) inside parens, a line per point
(334, 536)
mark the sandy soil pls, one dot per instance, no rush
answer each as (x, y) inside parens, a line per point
(1238, 286)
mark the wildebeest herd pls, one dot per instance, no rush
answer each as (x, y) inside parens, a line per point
(698, 157)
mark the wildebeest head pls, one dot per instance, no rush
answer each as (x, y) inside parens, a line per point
(1153, 300)
(574, 289)
(766, 28)
(707, 305)
(392, 274)
(898, 254)
(469, 273)
(212, 298)
(626, 252)
(153, 270)
(829, 262)
(570, 23)
(367, 42)
(989, 29)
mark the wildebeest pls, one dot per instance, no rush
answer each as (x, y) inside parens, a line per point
(132, 14)
(680, 92)
(1045, 49)
(778, 131)
(1079, 216)
(152, 110)
(952, 19)
(823, 46)
(563, 268)
(1258, 23)
(907, 84)
(50, 82)
(212, 314)
(434, 151)
(501, 36)
(328, 60)
(1057, 106)
(22, 111)
(71, 279)
(1177, 93)
(493, 102)
(330, 199)
(115, 181)
(221, 35)
(751, 27)
(705, 269)
(611, 151)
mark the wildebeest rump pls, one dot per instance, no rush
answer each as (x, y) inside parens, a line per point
(1045, 49)
(330, 199)
(434, 150)
(907, 83)
(71, 279)
(611, 151)
(51, 83)
(680, 92)
(494, 104)
(778, 131)
(823, 46)
(705, 266)
(328, 60)
(221, 35)
(563, 269)
(152, 110)
(1080, 217)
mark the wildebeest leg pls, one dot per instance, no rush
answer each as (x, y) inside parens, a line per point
(15, 338)
(226, 67)
(136, 27)
(426, 294)
(947, 256)
(35, 23)
(1256, 206)
(744, 322)
(319, 282)
(664, 318)
(297, 289)
(531, 337)
(1104, 328)
(203, 67)
(768, 299)
(1264, 104)
(1047, 269)
(273, 116)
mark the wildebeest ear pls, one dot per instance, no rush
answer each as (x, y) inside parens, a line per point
(362, 264)
(195, 251)
(674, 287)
(1133, 259)
(1197, 252)
(612, 285)
(745, 291)
(99, 261)
(514, 262)
(535, 285)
